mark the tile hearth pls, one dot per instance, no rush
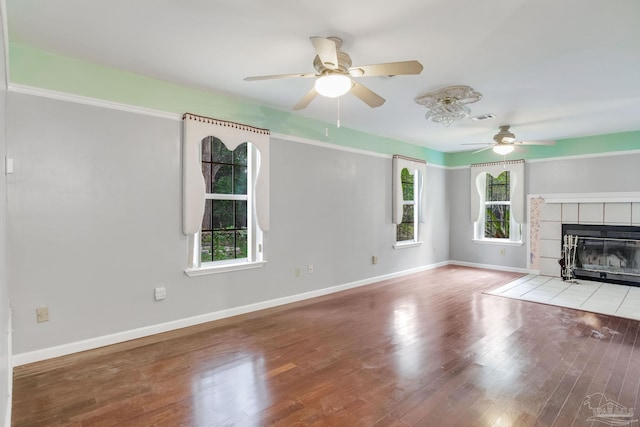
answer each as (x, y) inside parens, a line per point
(587, 295)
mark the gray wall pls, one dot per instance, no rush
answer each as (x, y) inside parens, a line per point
(4, 299)
(94, 224)
(613, 173)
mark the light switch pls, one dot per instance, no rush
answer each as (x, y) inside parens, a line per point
(8, 165)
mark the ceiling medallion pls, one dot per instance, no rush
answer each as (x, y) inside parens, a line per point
(449, 104)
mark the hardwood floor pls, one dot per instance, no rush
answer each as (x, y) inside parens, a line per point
(421, 350)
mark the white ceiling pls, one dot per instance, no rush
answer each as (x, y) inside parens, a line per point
(552, 69)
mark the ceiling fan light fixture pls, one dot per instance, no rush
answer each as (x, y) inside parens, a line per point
(333, 85)
(447, 113)
(448, 104)
(503, 149)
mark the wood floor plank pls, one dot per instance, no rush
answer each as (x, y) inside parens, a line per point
(425, 349)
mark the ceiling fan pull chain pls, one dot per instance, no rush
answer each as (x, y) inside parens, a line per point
(338, 121)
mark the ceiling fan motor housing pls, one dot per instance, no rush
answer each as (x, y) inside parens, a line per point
(344, 63)
(504, 136)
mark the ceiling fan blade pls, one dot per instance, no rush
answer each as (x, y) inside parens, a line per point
(280, 76)
(306, 99)
(326, 50)
(535, 142)
(483, 149)
(388, 69)
(478, 143)
(367, 96)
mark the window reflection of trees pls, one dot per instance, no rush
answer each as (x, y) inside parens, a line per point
(224, 226)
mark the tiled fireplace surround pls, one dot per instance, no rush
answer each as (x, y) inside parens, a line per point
(547, 213)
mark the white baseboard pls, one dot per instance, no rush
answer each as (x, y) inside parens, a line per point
(493, 267)
(74, 347)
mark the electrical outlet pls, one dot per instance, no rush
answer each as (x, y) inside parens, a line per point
(42, 314)
(296, 272)
(310, 268)
(374, 259)
(502, 251)
(160, 293)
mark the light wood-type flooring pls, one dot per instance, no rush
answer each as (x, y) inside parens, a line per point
(428, 349)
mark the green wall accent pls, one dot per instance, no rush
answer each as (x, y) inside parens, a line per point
(565, 147)
(32, 67)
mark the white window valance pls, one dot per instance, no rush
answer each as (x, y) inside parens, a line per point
(479, 173)
(196, 128)
(414, 166)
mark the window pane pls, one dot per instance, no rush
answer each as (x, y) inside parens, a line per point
(241, 214)
(222, 179)
(228, 240)
(223, 216)
(496, 223)
(404, 232)
(206, 149)
(240, 155)
(225, 222)
(220, 153)
(223, 245)
(206, 172)
(407, 213)
(241, 244)
(407, 184)
(240, 180)
(498, 188)
(206, 249)
(206, 218)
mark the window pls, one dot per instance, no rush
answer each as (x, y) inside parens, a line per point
(497, 207)
(225, 194)
(407, 230)
(496, 202)
(229, 234)
(407, 200)
(224, 232)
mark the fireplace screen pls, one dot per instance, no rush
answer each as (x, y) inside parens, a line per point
(607, 253)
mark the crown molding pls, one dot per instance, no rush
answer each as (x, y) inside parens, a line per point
(95, 102)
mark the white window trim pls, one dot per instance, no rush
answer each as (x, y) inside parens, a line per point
(195, 130)
(417, 168)
(254, 257)
(478, 204)
(215, 269)
(404, 244)
(515, 238)
(414, 203)
(503, 242)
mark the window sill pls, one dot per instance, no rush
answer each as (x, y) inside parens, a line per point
(403, 245)
(203, 271)
(499, 242)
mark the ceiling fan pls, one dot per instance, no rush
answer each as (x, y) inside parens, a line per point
(505, 142)
(334, 72)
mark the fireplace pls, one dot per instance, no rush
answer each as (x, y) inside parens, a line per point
(606, 253)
